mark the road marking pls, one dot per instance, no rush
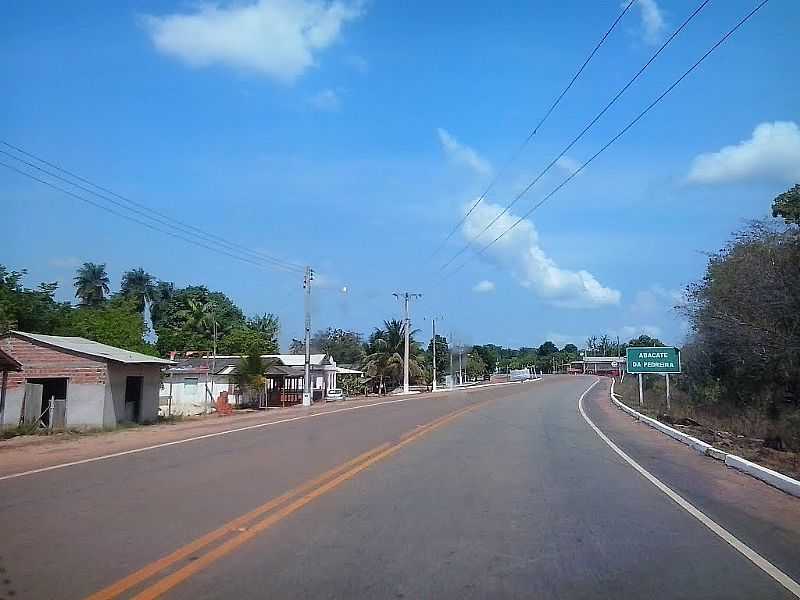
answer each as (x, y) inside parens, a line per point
(204, 437)
(164, 562)
(745, 550)
(307, 493)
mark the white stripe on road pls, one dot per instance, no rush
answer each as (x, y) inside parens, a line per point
(761, 562)
(210, 435)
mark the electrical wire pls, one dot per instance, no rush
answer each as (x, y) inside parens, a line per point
(577, 138)
(141, 209)
(622, 132)
(106, 208)
(544, 118)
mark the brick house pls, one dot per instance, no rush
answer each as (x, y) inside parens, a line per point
(93, 384)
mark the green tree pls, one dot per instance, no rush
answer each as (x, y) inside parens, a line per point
(91, 284)
(260, 335)
(570, 349)
(547, 349)
(488, 355)
(344, 346)
(384, 359)
(116, 322)
(787, 206)
(30, 310)
(140, 286)
(442, 356)
(186, 320)
(644, 341)
(476, 368)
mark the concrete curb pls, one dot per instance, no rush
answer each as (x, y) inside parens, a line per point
(775, 479)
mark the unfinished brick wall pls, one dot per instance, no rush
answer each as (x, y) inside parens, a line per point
(39, 361)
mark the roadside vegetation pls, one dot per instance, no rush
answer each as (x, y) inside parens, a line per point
(740, 386)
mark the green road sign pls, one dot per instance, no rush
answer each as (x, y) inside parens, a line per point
(653, 360)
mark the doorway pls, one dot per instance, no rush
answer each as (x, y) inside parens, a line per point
(55, 387)
(133, 398)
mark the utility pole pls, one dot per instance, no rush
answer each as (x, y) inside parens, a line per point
(406, 296)
(309, 277)
(460, 365)
(450, 348)
(434, 353)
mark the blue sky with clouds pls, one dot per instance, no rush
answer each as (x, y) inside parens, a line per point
(353, 135)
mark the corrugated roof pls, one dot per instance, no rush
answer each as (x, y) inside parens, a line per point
(96, 349)
(296, 360)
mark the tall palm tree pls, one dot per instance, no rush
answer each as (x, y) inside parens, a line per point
(384, 358)
(139, 285)
(91, 284)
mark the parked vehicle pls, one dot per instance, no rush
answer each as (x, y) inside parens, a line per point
(334, 394)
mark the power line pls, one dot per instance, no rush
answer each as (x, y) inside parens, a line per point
(580, 135)
(140, 222)
(519, 150)
(624, 130)
(145, 211)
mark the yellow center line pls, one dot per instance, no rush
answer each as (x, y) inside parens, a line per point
(162, 586)
(183, 552)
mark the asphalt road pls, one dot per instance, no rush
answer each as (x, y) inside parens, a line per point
(502, 492)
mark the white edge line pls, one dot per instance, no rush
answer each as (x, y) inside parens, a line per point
(754, 557)
(92, 459)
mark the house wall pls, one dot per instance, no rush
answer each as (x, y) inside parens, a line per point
(86, 381)
(114, 405)
(185, 403)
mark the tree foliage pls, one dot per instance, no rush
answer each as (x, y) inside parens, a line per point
(346, 347)
(745, 317)
(91, 284)
(787, 206)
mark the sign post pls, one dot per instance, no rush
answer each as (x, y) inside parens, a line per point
(662, 360)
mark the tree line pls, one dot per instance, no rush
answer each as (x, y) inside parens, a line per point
(182, 319)
(743, 354)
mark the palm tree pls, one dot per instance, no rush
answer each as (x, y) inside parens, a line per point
(199, 316)
(385, 354)
(91, 284)
(139, 285)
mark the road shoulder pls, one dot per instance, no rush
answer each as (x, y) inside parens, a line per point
(763, 517)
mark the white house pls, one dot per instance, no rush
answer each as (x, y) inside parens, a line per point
(192, 386)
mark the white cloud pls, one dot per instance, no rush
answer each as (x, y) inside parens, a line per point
(773, 152)
(462, 154)
(653, 22)
(568, 165)
(327, 100)
(483, 287)
(278, 38)
(65, 262)
(519, 251)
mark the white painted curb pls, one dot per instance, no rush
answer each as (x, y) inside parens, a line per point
(775, 479)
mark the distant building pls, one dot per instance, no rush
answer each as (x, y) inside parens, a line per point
(90, 384)
(598, 365)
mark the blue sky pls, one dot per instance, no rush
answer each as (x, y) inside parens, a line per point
(351, 136)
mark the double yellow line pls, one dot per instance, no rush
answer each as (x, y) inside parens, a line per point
(241, 530)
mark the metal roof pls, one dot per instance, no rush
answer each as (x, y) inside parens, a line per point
(8, 362)
(95, 349)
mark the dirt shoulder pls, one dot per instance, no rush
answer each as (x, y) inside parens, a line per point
(707, 429)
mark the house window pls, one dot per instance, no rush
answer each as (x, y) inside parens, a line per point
(190, 386)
